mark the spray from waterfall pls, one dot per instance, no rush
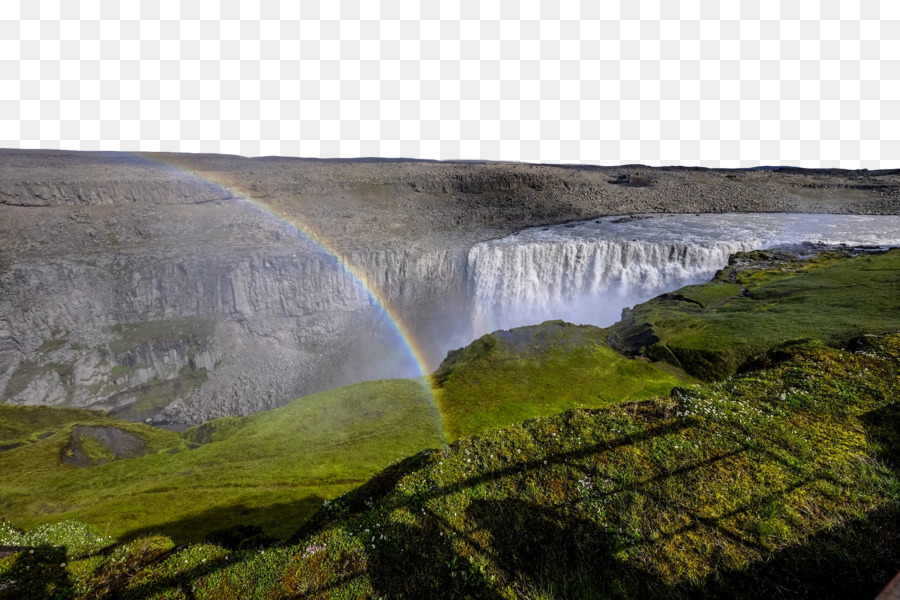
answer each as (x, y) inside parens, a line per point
(586, 273)
(380, 299)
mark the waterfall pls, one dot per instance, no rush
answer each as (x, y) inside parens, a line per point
(582, 281)
(588, 272)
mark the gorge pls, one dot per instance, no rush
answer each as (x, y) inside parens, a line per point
(183, 288)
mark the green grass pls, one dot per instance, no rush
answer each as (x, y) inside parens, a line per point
(135, 335)
(780, 482)
(273, 475)
(273, 469)
(53, 344)
(711, 329)
(20, 425)
(156, 394)
(509, 376)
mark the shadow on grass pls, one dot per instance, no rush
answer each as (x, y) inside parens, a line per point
(183, 582)
(425, 565)
(38, 574)
(533, 549)
(883, 428)
(545, 551)
(227, 525)
(373, 490)
(855, 560)
(540, 550)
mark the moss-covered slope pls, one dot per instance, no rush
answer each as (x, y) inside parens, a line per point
(759, 301)
(273, 469)
(23, 425)
(507, 377)
(781, 482)
(269, 470)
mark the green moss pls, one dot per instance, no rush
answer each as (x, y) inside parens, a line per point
(96, 451)
(713, 294)
(217, 430)
(156, 394)
(118, 371)
(721, 490)
(509, 376)
(166, 331)
(711, 329)
(52, 344)
(27, 424)
(671, 497)
(273, 475)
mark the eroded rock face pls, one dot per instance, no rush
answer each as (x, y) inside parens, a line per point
(223, 332)
(189, 287)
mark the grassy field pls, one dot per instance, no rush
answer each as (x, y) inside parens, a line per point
(781, 482)
(509, 376)
(273, 471)
(709, 330)
(786, 474)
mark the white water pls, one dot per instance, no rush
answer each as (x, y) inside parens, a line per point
(588, 272)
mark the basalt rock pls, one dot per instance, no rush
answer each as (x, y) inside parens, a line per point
(164, 286)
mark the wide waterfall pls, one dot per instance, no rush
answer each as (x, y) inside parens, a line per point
(588, 272)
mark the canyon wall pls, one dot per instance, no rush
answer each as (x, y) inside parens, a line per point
(222, 331)
(161, 286)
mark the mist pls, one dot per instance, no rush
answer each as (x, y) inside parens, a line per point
(587, 272)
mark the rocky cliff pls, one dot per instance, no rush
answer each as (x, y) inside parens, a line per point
(161, 285)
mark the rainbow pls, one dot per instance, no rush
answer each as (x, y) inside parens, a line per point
(407, 339)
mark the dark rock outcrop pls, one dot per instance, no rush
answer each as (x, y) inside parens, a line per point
(112, 442)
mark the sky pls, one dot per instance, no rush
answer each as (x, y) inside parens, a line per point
(694, 82)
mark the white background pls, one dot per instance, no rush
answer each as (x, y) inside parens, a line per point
(697, 82)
